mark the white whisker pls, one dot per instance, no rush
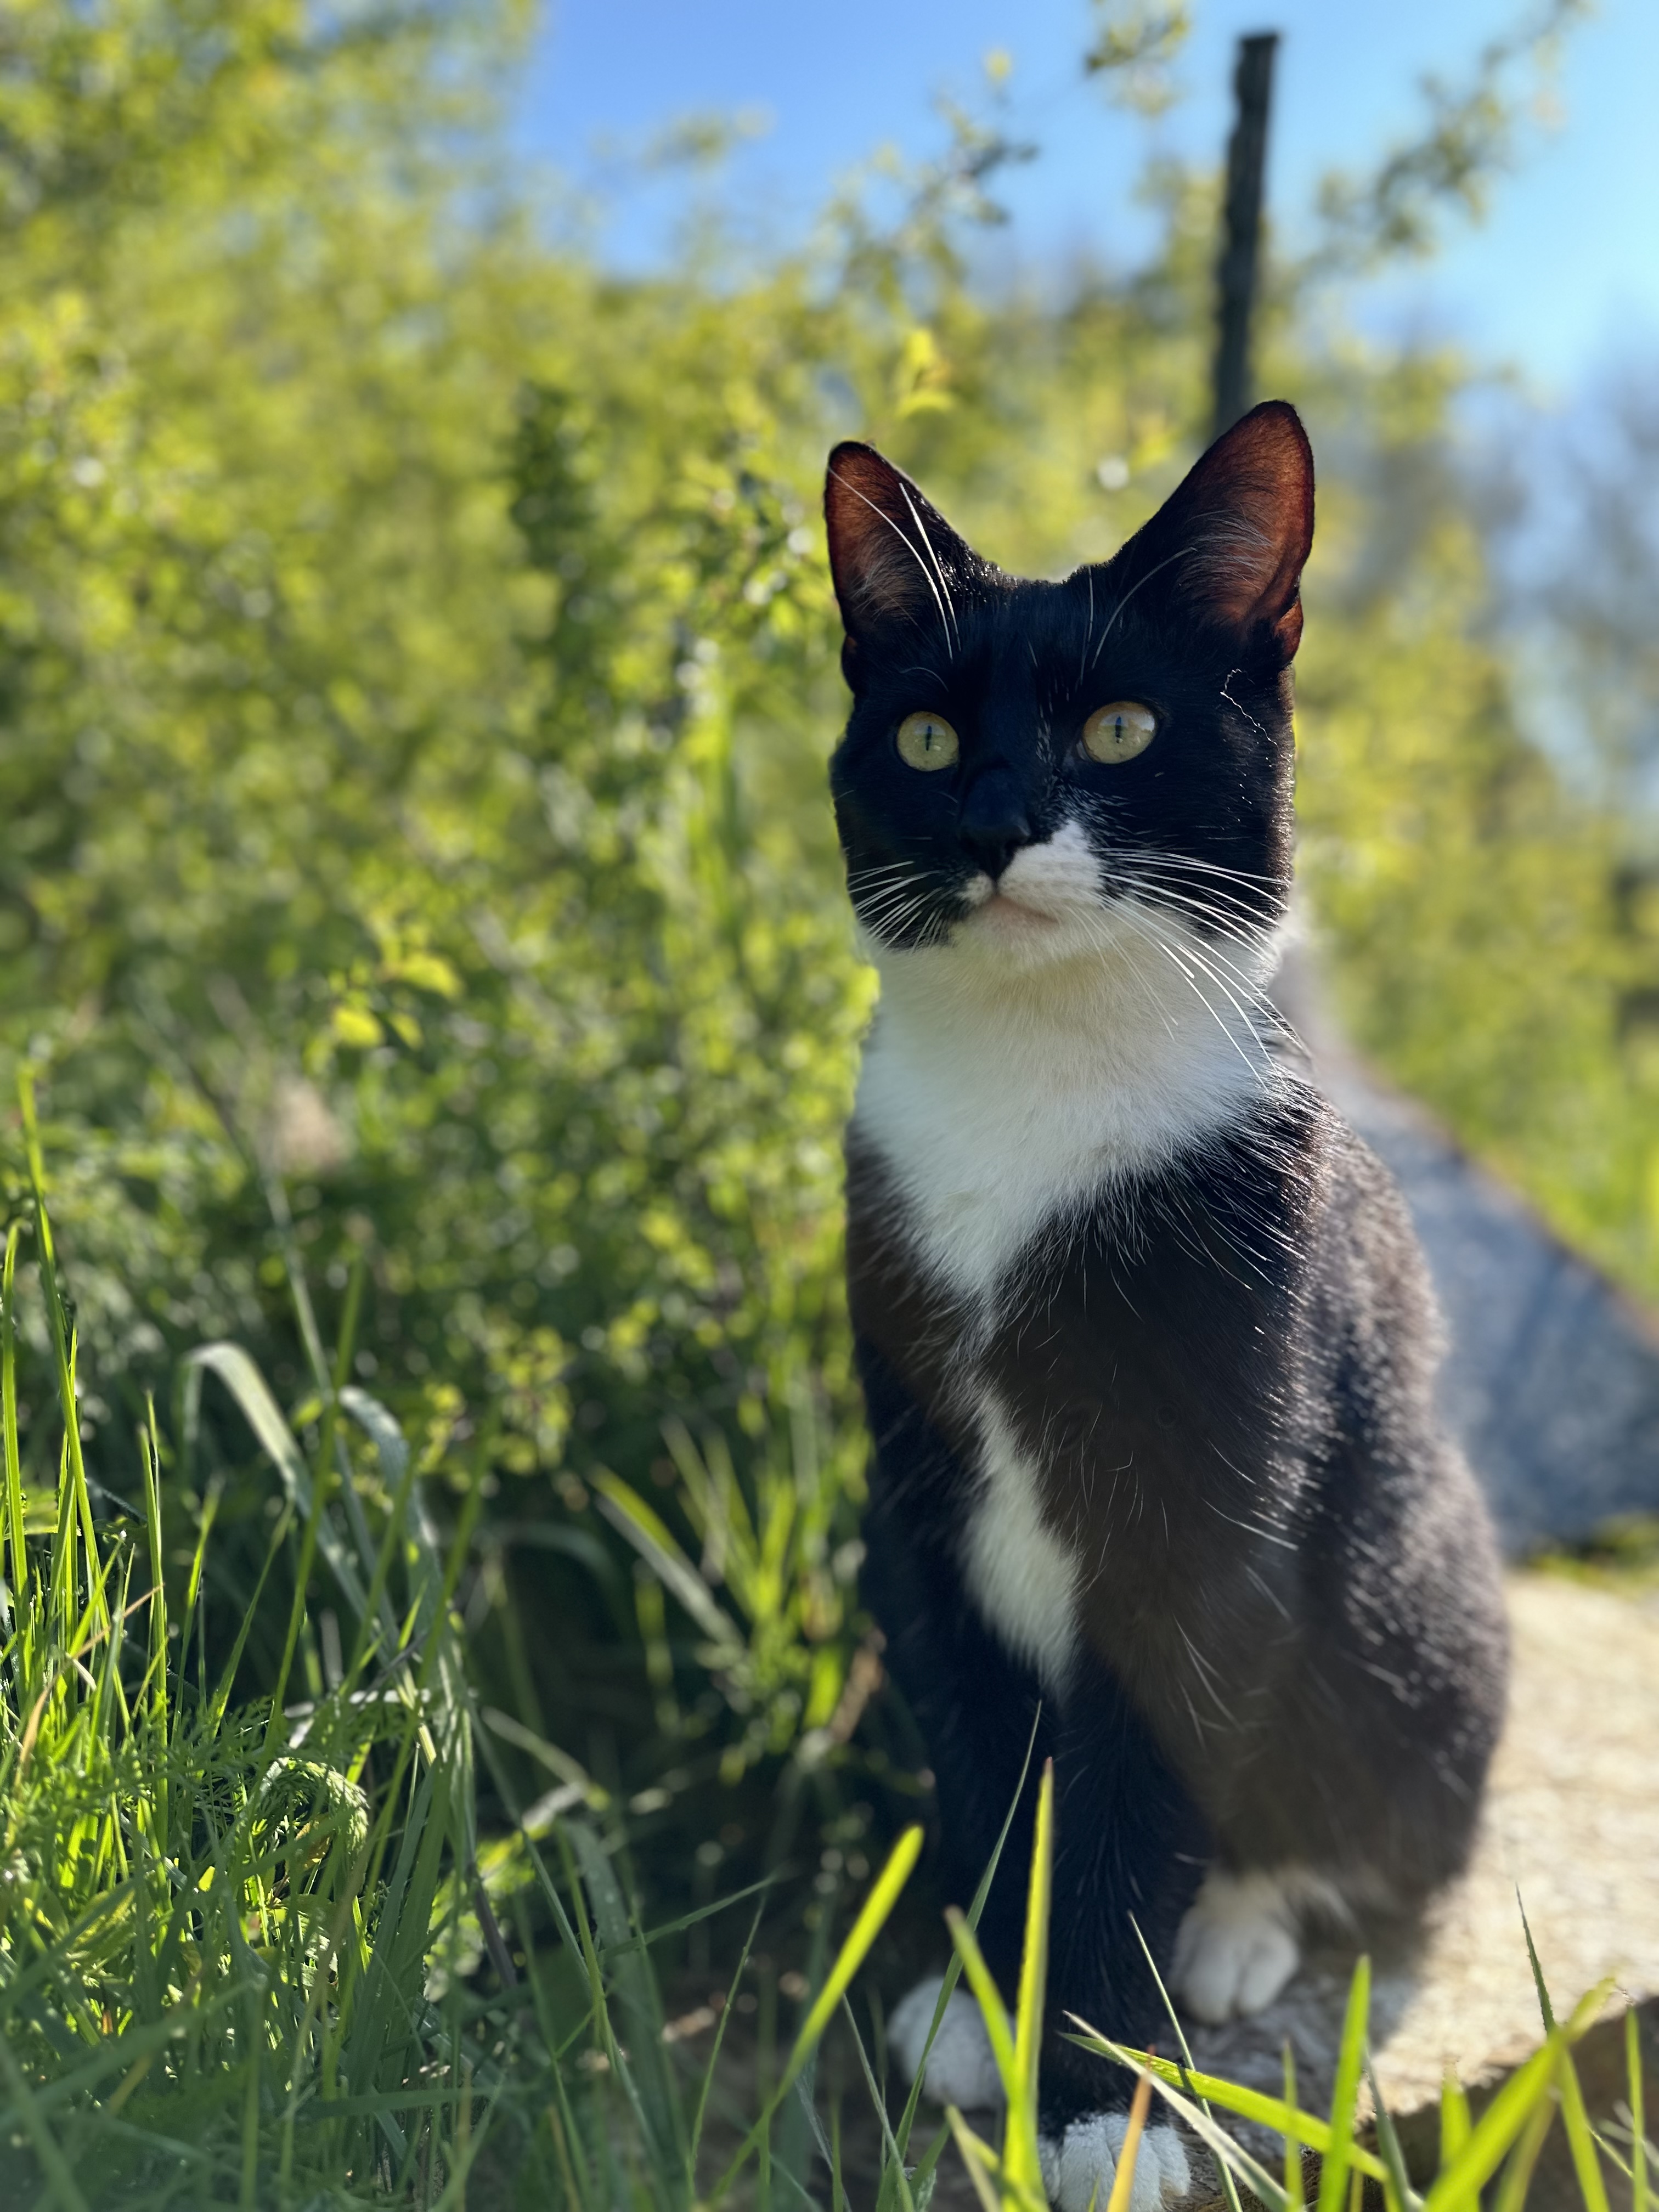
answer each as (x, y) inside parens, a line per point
(944, 623)
(1129, 594)
(944, 583)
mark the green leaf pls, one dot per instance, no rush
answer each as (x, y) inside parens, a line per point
(871, 1918)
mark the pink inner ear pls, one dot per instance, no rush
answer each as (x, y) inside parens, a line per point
(874, 567)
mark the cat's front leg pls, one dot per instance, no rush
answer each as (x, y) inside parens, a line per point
(1130, 1847)
(1129, 1850)
(982, 1715)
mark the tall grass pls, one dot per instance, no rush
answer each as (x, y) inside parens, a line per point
(216, 1915)
(246, 1954)
(255, 1953)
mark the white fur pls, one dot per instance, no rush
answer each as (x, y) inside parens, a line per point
(961, 2069)
(1079, 2170)
(1059, 1040)
(1023, 1575)
(1240, 1942)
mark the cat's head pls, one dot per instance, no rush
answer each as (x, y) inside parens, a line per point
(1040, 773)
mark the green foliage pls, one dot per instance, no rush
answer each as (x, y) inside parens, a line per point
(240, 1942)
(1465, 889)
(417, 670)
(212, 1918)
(417, 667)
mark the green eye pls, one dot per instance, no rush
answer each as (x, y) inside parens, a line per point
(926, 741)
(1119, 732)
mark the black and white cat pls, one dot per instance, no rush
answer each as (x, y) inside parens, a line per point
(1145, 1339)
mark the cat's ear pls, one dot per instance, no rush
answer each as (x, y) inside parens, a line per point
(1235, 534)
(895, 559)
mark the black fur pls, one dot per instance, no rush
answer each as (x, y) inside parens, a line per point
(1017, 666)
(1292, 1638)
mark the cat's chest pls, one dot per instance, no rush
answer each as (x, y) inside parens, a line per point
(978, 1160)
(1117, 1402)
(987, 1142)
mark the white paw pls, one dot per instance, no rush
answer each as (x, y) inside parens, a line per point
(961, 2069)
(1237, 1948)
(1079, 2170)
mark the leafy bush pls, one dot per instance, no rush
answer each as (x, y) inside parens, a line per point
(417, 670)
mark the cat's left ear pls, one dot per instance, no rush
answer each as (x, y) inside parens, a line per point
(895, 560)
(1235, 534)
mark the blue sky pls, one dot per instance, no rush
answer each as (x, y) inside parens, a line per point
(1561, 280)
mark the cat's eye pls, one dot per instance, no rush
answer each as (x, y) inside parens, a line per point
(926, 741)
(1119, 732)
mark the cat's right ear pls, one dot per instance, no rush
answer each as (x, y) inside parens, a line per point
(1235, 534)
(895, 559)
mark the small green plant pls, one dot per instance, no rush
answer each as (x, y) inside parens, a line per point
(785, 1563)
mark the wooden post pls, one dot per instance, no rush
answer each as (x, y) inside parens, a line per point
(1236, 268)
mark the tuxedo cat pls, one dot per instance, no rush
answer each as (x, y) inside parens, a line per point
(1146, 1344)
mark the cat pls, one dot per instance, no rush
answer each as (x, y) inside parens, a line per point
(1158, 1488)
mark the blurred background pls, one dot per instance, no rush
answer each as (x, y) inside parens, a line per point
(419, 666)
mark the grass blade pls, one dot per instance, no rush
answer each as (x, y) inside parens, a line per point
(1401, 2196)
(8, 1420)
(637, 1995)
(1518, 2174)
(978, 2157)
(251, 1393)
(1496, 2129)
(1205, 2089)
(953, 1970)
(989, 2000)
(1537, 1971)
(1585, 2163)
(632, 1518)
(1229, 2186)
(1295, 2191)
(1228, 2156)
(63, 1336)
(708, 2081)
(1334, 2172)
(1019, 2155)
(1638, 2168)
(884, 1895)
(1124, 2180)
(896, 2162)
(1454, 2123)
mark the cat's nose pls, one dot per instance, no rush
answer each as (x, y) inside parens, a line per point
(994, 823)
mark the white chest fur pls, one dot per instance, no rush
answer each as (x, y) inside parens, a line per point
(1023, 1575)
(1002, 1090)
(1011, 1075)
